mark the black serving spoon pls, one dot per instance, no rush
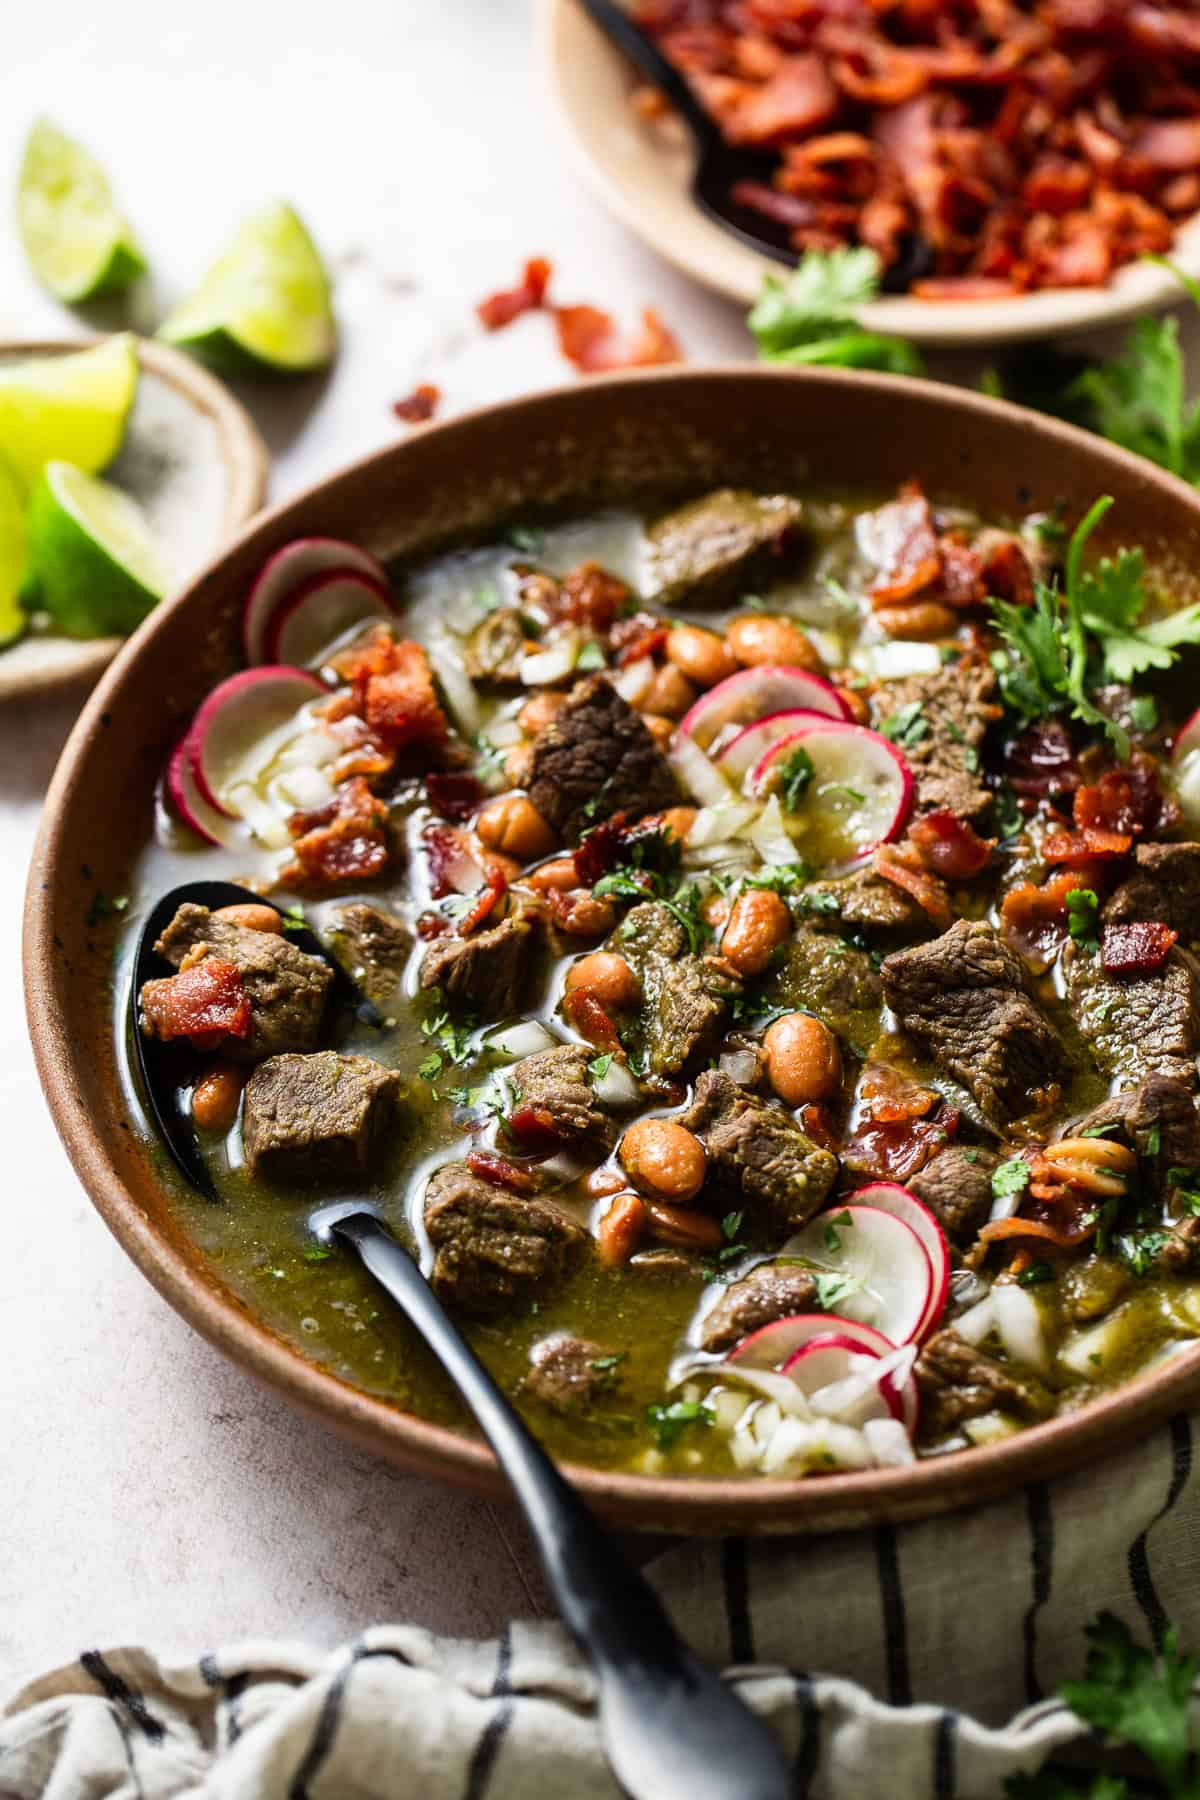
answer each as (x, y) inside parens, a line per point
(719, 166)
(671, 1729)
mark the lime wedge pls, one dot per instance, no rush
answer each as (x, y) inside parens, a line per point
(71, 408)
(91, 554)
(264, 303)
(13, 555)
(76, 241)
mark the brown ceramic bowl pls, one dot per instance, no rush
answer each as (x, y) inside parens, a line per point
(603, 439)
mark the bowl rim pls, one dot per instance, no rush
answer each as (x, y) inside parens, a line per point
(636, 181)
(654, 1502)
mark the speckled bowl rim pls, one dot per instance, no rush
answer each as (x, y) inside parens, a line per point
(671, 1504)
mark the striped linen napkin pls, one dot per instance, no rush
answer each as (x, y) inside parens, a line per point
(912, 1663)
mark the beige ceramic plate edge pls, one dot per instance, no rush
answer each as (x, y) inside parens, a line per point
(643, 177)
(40, 664)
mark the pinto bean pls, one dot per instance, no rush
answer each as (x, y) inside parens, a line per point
(700, 655)
(661, 729)
(682, 1227)
(758, 923)
(559, 874)
(537, 713)
(759, 638)
(664, 1158)
(620, 1230)
(609, 977)
(920, 619)
(860, 712)
(251, 917)
(803, 1060)
(215, 1097)
(670, 694)
(513, 824)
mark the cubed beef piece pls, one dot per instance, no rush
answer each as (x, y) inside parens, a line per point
(596, 758)
(958, 1382)
(769, 1292)
(727, 543)
(306, 1117)
(759, 1149)
(1158, 1120)
(666, 1265)
(494, 1249)
(486, 970)
(956, 1186)
(963, 998)
(374, 946)
(941, 745)
(555, 1085)
(868, 903)
(1135, 1025)
(821, 973)
(286, 987)
(685, 997)
(569, 1374)
(496, 648)
(1180, 1254)
(1165, 886)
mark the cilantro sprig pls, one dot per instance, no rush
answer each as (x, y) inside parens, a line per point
(668, 1423)
(811, 315)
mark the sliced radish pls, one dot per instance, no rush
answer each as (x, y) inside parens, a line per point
(772, 1345)
(304, 626)
(232, 728)
(290, 569)
(1187, 738)
(753, 693)
(742, 752)
(890, 1197)
(187, 800)
(830, 1360)
(1185, 769)
(882, 1256)
(859, 796)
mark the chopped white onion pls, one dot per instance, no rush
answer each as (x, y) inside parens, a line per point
(616, 1087)
(717, 824)
(456, 685)
(740, 1066)
(1004, 1206)
(728, 856)
(704, 782)
(526, 1039)
(463, 872)
(302, 789)
(544, 666)
(791, 1443)
(779, 1388)
(974, 1326)
(266, 824)
(565, 1165)
(887, 662)
(889, 1443)
(769, 835)
(504, 733)
(1019, 1325)
(989, 1428)
(310, 748)
(1187, 787)
(634, 681)
(966, 1288)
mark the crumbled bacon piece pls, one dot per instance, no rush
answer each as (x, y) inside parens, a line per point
(1129, 799)
(502, 308)
(1035, 918)
(1136, 949)
(455, 796)
(1006, 570)
(451, 863)
(205, 1003)
(926, 889)
(537, 1126)
(391, 689)
(649, 644)
(949, 846)
(590, 596)
(599, 849)
(795, 99)
(345, 840)
(490, 1166)
(900, 540)
(587, 1014)
(494, 889)
(587, 337)
(420, 405)
(1075, 849)
(961, 584)
(1041, 761)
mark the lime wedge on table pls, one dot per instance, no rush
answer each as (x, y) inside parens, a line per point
(14, 539)
(76, 241)
(91, 554)
(264, 302)
(71, 408)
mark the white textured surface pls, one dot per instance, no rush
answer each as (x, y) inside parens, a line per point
(149, 1492)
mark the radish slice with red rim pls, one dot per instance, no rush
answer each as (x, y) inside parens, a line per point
(748, 747)
(890, 1197)
(188, 803)
(882, 1259)
(851, 1383)
(294, 567)
(1185, 770)
(753, 693)
(857, 791)
(305, 626)
(230, 732)
(771, 1345)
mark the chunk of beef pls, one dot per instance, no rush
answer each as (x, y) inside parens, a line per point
(305, 1117)
(496, 648)
(1165, 886)
(1135, 1025)
(942, 744)
(730, 540)
(822, 974)
(374, 945)
(956, 1186)
(769, 1292)
(685, 997)
(487, 969)
(958, 1382)
(569, 1374)
(963, 998)
(760, 1150)
(666, 1265)
(286, 987)
(596, 758)
(556, 1085)
(866, 902)
(494, 1249)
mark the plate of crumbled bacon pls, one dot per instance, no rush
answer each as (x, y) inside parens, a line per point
(1014, 163)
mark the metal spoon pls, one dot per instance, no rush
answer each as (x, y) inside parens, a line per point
(719, 165)
(671, 1729)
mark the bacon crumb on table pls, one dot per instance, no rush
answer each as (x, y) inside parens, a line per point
(420, 405)
(587, 336)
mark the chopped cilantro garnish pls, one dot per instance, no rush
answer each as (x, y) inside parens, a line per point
(811, 315)
(1143, 712)
(831, 1235)
(1140, 1249)
(1011, 1177)
(1035, 1275)
(1186, 1183)
(833, 1289)
(591, 656)
(294, 918)
(526, 539)
(317, 1253)
(1154, 1140)
(731, 1224)
(795, 778)
(1083, 916)
(840, 787)
(669, 1422)
(599, 1066)
(908, 727)
(432, 1066)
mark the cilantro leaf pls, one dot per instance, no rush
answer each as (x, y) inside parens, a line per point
(795, 778)
(1138, 1697)
(669, 1422)
(1137, 399)
(599, 1066)
(1011, 1177)
(908, 726)
(811, 315)
(1083, 917)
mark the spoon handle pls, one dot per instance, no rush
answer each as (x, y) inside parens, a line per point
(641, 50)
(671, 1727)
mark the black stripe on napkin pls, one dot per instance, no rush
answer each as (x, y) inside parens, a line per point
(231, 1689)
(1041, 1573)
(945, 1757)
(735, 1580)
(329, 1717)
(122, 1695)
(119, 1720)
(895, 1624)
(488, 1748)
(808, 1753)
(1141, 1580)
